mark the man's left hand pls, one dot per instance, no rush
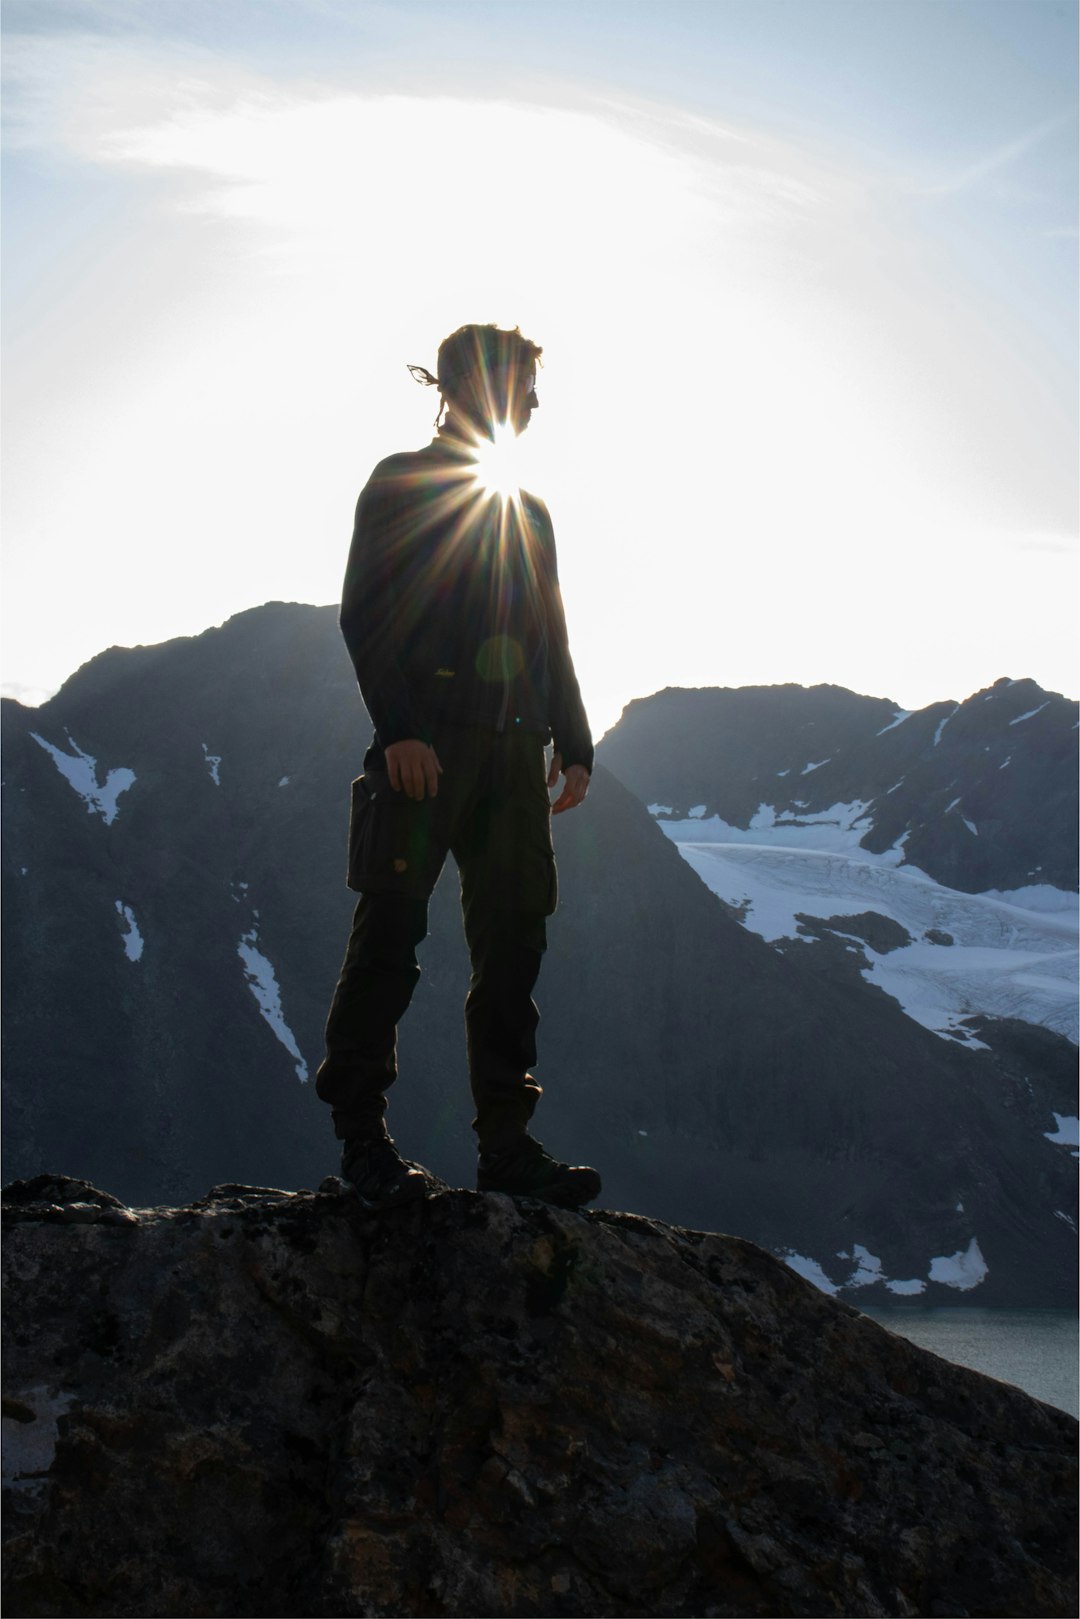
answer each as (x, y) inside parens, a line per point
(575, 784)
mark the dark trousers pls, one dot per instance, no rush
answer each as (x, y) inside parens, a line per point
(491, 812)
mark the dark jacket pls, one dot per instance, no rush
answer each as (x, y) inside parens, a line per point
(451, 608)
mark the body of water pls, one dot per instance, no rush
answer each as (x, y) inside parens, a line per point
(1035, 1349)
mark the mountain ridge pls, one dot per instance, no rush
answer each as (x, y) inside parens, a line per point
(922, 778)
(179, 938)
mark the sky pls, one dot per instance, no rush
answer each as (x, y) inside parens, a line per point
(804, 273)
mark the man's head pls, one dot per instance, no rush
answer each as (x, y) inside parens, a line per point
(487, 376)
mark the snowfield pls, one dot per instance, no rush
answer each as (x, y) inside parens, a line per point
(262, 981)
(80, 770)
(1011, 955)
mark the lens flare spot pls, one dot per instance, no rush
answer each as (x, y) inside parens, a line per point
(497, 468)
(500, 658)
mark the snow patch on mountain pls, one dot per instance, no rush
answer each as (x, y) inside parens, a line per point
(262, 981)
(1031, 713)
(213, 764)
(867, 1267)
(963, 1270)
(80, 770)
(808, 1268)
(942, 725)
(132, 940)
(901, 715)
(806, 769)
(1067, 1133)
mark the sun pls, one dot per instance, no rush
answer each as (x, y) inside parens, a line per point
(497, 468)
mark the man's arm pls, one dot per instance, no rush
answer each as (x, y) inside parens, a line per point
(375, 612)
(575, 787)
(573, 747)
(413, 768)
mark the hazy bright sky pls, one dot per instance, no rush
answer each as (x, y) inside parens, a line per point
(804, 272)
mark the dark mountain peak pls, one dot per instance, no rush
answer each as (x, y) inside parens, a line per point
(979, 794)
(808, 702)
(272, 632)
(1006, 682)
(1010, 701)
(268, 1403)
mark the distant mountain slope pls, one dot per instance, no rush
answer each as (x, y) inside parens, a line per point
(801, 868)
(175, 914)
(980, 794)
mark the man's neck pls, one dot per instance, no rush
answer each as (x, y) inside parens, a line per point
(463, 429)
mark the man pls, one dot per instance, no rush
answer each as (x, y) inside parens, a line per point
(452, 616)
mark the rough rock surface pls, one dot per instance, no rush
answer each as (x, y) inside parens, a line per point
(271, 1404)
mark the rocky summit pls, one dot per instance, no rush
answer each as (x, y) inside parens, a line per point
(269, 1403)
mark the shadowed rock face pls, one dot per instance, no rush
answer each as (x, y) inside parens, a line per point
(270, 1404)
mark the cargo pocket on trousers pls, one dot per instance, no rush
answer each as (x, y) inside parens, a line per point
(393, 842)
(359, 834)
(540, 877)
(538, 882)
(552, 887)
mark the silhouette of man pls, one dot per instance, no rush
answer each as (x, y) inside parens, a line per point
(452, 616)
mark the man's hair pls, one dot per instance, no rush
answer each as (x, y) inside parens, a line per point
(468, 356)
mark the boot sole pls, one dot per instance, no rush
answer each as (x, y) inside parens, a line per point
(408, 1193)
(560, 1197)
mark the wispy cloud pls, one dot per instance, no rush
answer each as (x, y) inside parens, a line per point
(996, 160)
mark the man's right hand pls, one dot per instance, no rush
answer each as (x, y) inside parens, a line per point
(413, 768)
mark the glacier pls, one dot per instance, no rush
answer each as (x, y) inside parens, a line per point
(1012, 955)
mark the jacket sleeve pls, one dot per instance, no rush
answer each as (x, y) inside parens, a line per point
(374, 609)
(570, 732)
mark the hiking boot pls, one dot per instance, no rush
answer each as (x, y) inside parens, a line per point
(524, 1169)
(380, 1176)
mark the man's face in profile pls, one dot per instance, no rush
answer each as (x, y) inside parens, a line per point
(522, 400)
(503, 394)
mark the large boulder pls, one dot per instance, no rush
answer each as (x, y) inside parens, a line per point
(272, 1404)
